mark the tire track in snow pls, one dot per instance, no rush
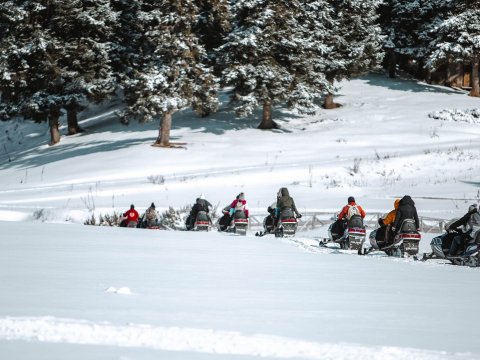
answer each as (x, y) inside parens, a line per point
(54, 330)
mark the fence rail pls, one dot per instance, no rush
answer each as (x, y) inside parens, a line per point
(316, 219)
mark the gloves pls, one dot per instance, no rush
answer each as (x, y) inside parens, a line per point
(299, 216)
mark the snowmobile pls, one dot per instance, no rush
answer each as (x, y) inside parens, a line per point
(406, 241)
(145, 223)
(237, 224)
(469, 255)
(287, 224)
(202, 222)
(130, 224)
(268, 223)
(224, 222)
(353, 236)
(240, 223)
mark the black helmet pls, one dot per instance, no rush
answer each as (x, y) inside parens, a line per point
(132, 206)
(351, 199)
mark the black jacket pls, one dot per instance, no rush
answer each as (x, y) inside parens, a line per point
(201, 205)
(406, 210)
(463, 220)
(285, 201)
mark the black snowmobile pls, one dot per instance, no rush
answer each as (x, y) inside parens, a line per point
(238, 223)
(469, 255)
(353, 234)
(202, 222)
(287, 224)
(144, 223)
(405, 242)
(268, 223)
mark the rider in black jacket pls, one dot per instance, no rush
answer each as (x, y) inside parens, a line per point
(467, 221)
(406, 210)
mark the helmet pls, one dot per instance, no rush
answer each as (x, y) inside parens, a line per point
(241, 196)
(152, 206)
(351, 199)
(132, 206)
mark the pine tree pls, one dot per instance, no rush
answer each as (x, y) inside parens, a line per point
(354, 40)
(458, 38)
(270, 56)
(56, 55)
(170, 74)
(214, 23)
(410, 26)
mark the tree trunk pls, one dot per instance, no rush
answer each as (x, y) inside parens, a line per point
(53, 123)
(420, 69)
(328, 102)
(392, 64)
(163, 139)
(267, 122)
(73, 127)
(475, 77)
(454, 73)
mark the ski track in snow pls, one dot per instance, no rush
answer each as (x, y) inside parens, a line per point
(55, 330)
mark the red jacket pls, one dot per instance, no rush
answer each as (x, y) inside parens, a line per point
(131, 215)
(344, 211)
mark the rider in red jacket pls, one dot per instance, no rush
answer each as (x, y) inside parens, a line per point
(131, 215)
(346, 208)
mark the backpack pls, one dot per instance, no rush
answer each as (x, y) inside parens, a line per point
(239, 206)
(352, 210)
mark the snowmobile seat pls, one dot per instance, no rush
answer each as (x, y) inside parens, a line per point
(287, 214)
(239, 215)
(408, 226)
(355, 221)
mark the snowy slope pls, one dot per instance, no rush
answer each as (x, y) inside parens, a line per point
(78, 292)
(125, 293)
(384, 124)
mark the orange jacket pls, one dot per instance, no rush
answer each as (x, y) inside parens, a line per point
(344, 211)
(390, 218)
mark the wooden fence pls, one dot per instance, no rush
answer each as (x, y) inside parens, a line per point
(316, 219)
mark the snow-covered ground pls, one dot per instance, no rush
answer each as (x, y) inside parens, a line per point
(135, 294)
(77, 292)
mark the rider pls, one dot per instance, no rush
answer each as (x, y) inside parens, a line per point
(239, 204)
(131, 217)
(151, 216)
(285, 202)
(352, 208)
(201, 204)
(467, 221)
(406, 210)
(388, 221)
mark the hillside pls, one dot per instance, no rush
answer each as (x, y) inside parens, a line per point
(379, 145)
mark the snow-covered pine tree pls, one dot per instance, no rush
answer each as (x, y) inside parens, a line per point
(214, 22)
(355, 42)
(458, 38)
(385, 12)
(85, 28)
(28, 53)
(13, 29)
(271, 56)
(407, 18)
(171, 73)
(57, 52)
(409, 26)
